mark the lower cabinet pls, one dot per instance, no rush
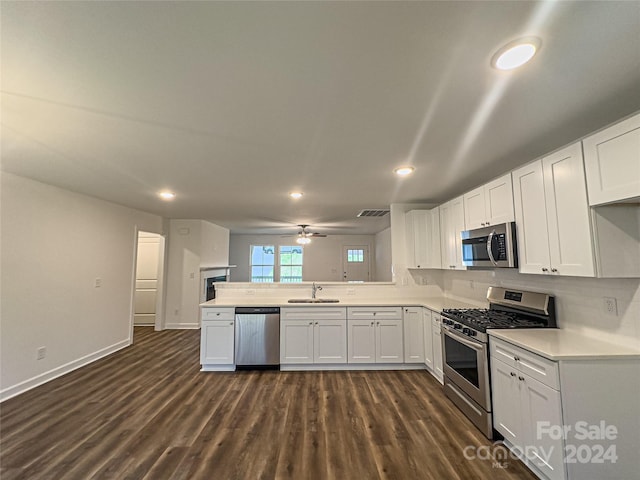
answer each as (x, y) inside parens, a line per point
(427, 337)
(308, 336)
(217, 337)
(436, 332)
(375, 335)
(413, 326)
(318, 341)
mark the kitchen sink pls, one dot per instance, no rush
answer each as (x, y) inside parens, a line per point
(313, 300)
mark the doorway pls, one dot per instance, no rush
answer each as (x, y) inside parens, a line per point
(355, 263)
(148, 292)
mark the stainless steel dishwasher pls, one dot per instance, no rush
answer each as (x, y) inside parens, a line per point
(257, 337)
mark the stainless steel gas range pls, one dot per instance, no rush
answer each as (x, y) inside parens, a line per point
(465, 346)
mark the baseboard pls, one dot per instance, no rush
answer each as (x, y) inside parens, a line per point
(45, 377)
(302, 367)
(181, 326)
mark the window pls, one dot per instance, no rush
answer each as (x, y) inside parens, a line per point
(262, 263)
(291, 264)
(355, 255)
(265, 270)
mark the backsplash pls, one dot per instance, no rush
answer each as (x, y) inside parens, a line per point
(579, 301)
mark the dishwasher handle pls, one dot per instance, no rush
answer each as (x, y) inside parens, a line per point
(257, 310)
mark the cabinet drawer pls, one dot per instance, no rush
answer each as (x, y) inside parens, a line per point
(374, 313)
(542, 369)
(218, 313)
(313, 313)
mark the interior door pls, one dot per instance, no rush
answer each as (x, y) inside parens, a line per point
(146, 278)
(355, 263)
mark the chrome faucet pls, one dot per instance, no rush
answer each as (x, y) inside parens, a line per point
(314, 289)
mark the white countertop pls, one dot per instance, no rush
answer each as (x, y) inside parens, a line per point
(560, 344)
(432, 303)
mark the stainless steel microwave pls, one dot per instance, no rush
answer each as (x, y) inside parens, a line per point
(493, 246)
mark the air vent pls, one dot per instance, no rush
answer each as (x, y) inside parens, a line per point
(373, 212)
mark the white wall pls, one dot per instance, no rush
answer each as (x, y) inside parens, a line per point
(54, 244)
(192, 244)
(322, 258)
(383, 255)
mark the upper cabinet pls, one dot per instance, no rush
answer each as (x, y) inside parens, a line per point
(451, 224)
(612, 163)
(423, 238)
(489, 204)
(552, 215)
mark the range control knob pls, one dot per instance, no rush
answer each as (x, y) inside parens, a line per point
(472, 333)
(457, 326)
(466, 331)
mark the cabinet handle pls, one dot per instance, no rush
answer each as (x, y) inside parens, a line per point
(554, 269)
(378, 323)
(517, 359)
(372, 324)
(217, 314)
(374, 314)
(310, 323)
(513, 374)
(521, 378)
(488, 223)
(544, 269)
(230, 323)
(316, 323)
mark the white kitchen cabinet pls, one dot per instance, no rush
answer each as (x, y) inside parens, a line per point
(526, 392)
(375, 335)
(489, 204)
(313, 335)
(612, 163)
(451, 225)
(413, 326)
(427, 338)
(436, 329)
(423, 238)
(552, 216)
(217, 339)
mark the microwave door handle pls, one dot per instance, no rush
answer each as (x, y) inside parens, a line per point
(489, 242)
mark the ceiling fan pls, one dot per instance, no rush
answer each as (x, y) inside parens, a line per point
(304, 235)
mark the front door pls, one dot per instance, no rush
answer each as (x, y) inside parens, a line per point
(355, 263)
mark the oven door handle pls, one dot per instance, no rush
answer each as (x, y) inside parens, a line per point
(477, 346)
(489, 242)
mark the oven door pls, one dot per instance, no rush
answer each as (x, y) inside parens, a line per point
(466, 365)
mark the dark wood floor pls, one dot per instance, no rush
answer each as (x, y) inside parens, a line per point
(147, 412)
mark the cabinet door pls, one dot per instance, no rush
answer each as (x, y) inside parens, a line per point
(541, 404)
(389, 348)
(330, 341)
(531, 219)
(296, 341)
(217, 342)
(498, 198)
(570, 241)
(361, 341)
(446, 238)
(417, 238)
(412, 325)
(437, 346)
(434, 257)
(457, 225)
(612, 162)
(505, 392)
(427, 338)
(474, 209)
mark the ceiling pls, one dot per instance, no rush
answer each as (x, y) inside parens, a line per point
(232, 105)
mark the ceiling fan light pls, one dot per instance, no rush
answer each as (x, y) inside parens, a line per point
(303, 240)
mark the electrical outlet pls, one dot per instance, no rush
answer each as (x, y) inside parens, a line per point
(251, 291)
(471, 285)
(97, 283)
(41, 352)
(351, 291)
(611, 306)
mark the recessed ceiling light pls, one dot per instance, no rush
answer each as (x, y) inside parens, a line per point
(296, 195)
(167, 195)
(403, 171)
(515, 54)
